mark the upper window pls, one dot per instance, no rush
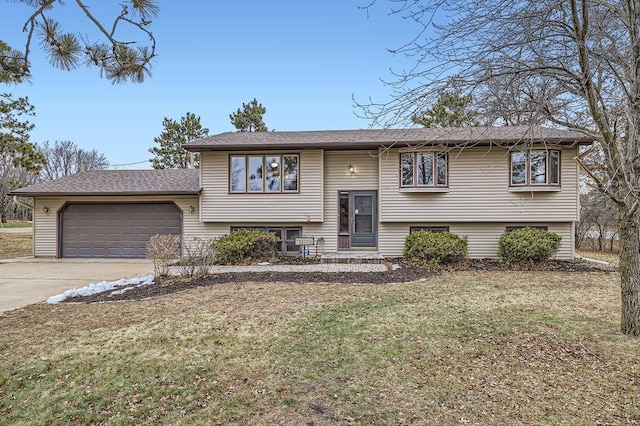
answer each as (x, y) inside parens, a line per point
(535, 167)
(423, 169)
(264, 173)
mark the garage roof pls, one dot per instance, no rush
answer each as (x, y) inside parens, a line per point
(118, 182)
(375, 138)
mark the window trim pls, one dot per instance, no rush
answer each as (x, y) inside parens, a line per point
(414, 185)
(548, 171)
(429, 228)
(247, 171)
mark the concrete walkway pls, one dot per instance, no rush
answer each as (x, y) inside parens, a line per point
(24, 281)
(317, 267)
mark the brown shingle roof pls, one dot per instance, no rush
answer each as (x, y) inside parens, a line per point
(119, 182)
(367, 139)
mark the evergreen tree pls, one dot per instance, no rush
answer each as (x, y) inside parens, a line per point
(14, 128)
(249, 118)
(116, 52)
(19, 159)
(14, 133)
(170, 154)
(452, 109)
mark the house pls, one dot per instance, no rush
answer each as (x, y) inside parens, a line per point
(354, 189)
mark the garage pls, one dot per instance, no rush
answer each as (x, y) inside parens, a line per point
(119, 230)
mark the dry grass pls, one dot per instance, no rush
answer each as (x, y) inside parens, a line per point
(16, 244)
(17, 224)
(461, 348)
(612, 258)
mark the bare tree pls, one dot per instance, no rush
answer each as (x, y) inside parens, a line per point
(597, 224)
(583, 59)
(66, 158)
(13, 177)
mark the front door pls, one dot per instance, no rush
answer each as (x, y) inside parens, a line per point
(364, 221)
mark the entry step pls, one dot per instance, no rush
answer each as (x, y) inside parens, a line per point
(352, 257)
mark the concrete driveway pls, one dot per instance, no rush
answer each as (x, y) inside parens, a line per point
(25, 281)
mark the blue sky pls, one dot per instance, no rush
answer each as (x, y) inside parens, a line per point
(303, 60)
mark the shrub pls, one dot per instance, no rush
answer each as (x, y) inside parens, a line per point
(163, 250)
(528, 245)
(196, 259)
(245, 245)
(432, 248)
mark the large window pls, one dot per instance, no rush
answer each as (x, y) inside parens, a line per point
(423, 169)
(263, 173)
(535, 167)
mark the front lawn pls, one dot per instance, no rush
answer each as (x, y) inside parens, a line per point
(461, 347)
(606, 256)
(16, 244)
(17, 224)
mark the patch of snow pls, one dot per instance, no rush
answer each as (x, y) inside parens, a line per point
(395, 267)
(124, 290)
(264, 264)
(95, 288)
(114, 293)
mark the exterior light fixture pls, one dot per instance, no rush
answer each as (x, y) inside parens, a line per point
(350, 169)
(46, 209)
(192, 209)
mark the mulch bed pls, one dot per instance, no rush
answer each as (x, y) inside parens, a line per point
(406, 273)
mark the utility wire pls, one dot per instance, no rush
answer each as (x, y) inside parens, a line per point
(127, 164)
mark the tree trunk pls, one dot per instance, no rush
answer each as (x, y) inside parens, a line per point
(600, 237)
(629, 271)
(612, 241)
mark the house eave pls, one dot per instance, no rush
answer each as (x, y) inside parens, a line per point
(105, 194)
(351, 145)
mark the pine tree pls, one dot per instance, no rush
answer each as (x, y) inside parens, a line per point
(122, 53)
(170, 154)
(450, 110)
(249, 118)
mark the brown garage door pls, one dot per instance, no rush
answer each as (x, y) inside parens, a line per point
(114, 229)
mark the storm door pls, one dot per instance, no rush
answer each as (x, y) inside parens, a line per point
(362, 210)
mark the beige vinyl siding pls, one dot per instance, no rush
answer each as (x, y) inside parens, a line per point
(337, 178)
(482, 237)
(218, 205)
(478, 191)
(45, 235)
(44, 227)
